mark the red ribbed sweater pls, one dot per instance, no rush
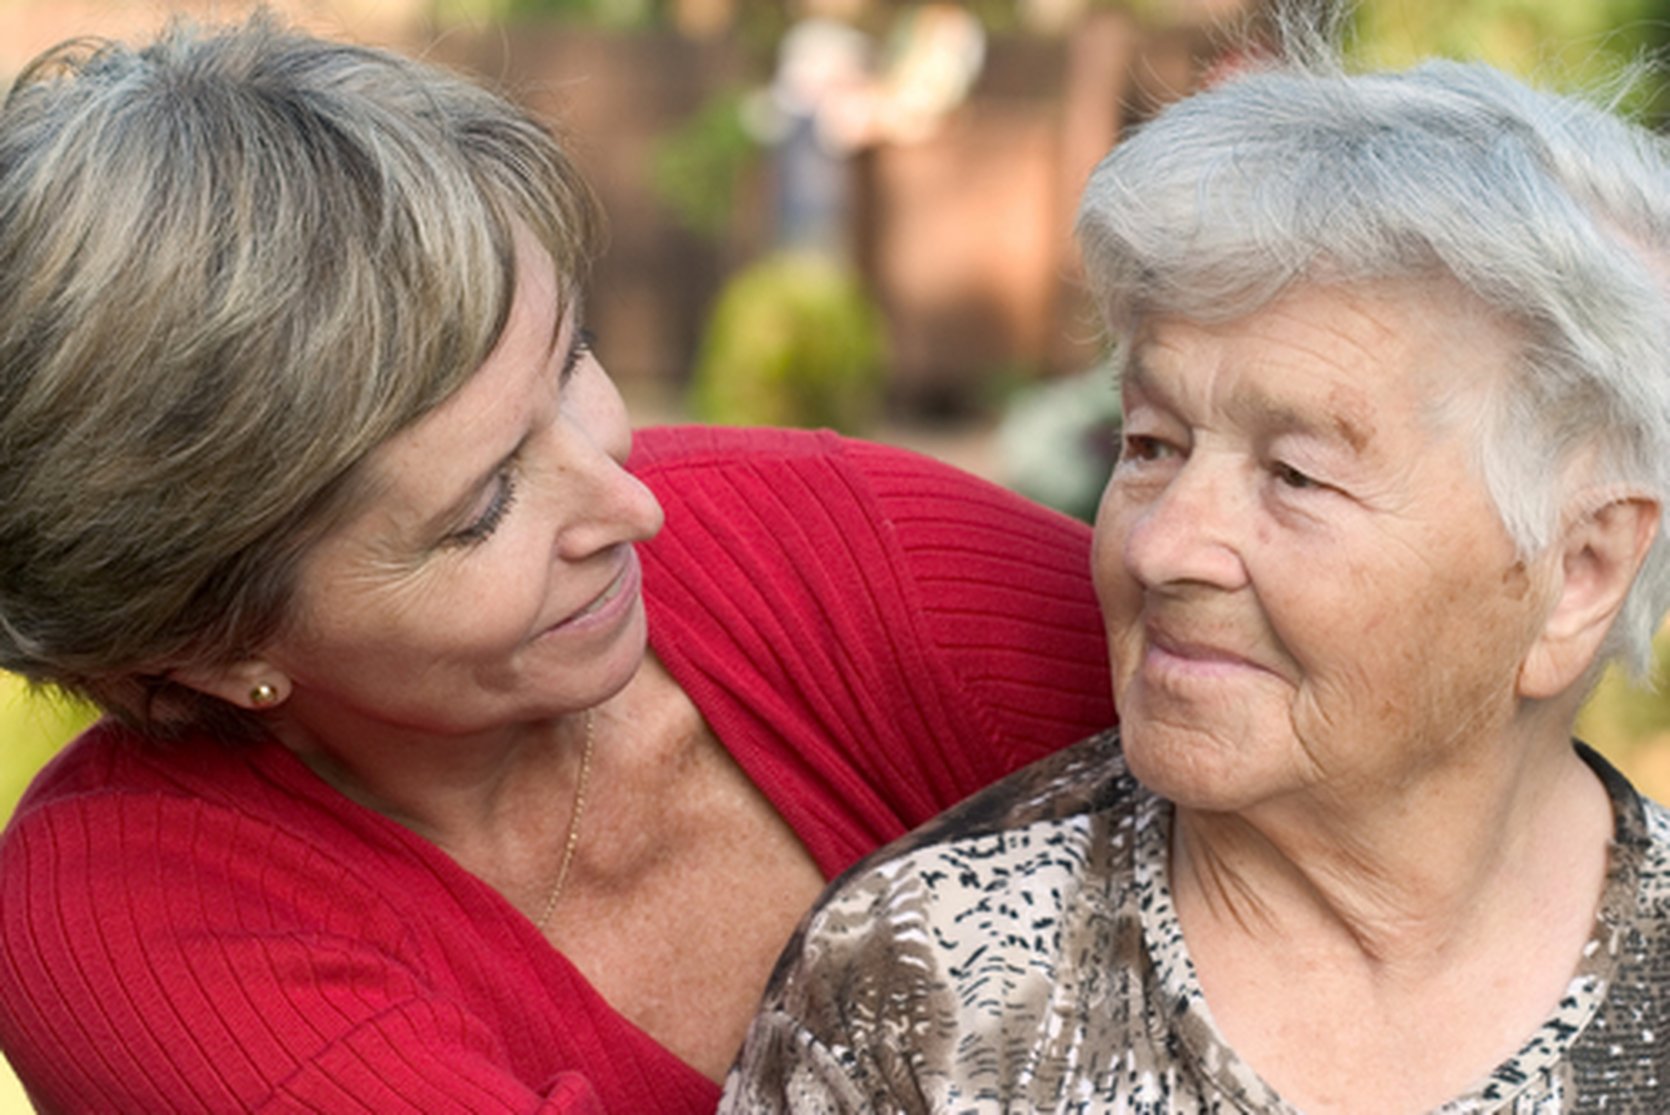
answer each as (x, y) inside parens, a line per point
(203, 927)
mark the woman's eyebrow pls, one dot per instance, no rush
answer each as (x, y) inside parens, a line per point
(1345, 420)
(1331, 422)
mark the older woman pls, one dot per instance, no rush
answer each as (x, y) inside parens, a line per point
(1395, 356)
(313, 481)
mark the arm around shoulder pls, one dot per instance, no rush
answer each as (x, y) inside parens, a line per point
(219, 971)
(1005, 594)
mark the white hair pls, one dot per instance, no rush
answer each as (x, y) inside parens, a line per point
(1553, 210)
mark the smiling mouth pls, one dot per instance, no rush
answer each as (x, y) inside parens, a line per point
(625, 580)
(1172, 653)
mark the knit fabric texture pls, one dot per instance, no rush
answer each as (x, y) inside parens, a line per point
(1023, 953)
(204, 927)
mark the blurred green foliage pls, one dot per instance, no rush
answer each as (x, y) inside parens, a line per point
(794, 340)
(1058, 440)
(1566, 43)
(1629, 721)
(33, 726)
(698, 166)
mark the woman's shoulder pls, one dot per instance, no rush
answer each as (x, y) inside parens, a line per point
(188, 827)
(752, 467)
(968, 901)
(1655, 859)
(659, 449)
(1038, 822)
(189, 892)
(1640, 845)
(109, 764)
(1087, 779)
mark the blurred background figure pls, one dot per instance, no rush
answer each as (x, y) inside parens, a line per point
(823, 72)
(837, 90)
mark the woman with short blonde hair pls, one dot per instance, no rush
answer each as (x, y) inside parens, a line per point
(465, 750)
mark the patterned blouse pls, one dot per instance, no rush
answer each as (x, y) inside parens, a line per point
(1022, 954)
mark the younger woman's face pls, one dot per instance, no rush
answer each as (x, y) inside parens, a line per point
(490, 578)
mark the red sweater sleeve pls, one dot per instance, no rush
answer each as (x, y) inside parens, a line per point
(209, 930)
(1005, 593)
(872, 634)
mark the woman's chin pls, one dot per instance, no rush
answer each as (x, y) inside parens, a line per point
(1193, 769)
(556, 685)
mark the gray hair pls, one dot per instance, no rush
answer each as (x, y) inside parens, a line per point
(1553, 210)
(232, 263)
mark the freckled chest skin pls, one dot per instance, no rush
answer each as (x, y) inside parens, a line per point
(1307, 589)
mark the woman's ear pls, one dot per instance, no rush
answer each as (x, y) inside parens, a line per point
(253, 684)
(1600, 553)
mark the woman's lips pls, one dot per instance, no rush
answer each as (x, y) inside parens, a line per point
(1172, 653)
(608, 605)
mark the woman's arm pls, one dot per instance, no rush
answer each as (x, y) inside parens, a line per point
(1004, 591)
(211, 936)
(872, 634)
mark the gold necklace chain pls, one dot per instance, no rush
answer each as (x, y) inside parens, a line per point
(573, 840)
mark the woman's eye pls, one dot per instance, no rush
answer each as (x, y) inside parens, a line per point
(1291, 477)
(1142, 447)
(504, 494)
(584, 342)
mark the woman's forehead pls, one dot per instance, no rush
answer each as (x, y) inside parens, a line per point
(1338, 356)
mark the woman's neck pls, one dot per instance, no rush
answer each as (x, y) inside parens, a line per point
(499, 802)
(1421, 934)
(436, 786)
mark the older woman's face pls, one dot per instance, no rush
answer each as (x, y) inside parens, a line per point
(1305, 584)
(491, 576)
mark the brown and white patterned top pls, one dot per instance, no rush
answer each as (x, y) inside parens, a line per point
(1021, 954)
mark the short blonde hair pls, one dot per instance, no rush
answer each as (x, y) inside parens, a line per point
(232, 263)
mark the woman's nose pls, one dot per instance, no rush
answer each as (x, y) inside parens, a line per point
(1190, 531)
(609, 505)
(595, 502)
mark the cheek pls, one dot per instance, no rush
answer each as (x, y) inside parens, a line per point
(1115, 589)
(506, 599)
(1118, 594)
(490, 604)
(1424, 664)
(1104, 567)
(1107, 548)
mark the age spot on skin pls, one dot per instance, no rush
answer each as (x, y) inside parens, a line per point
(1516, 580)
(1353, 417)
